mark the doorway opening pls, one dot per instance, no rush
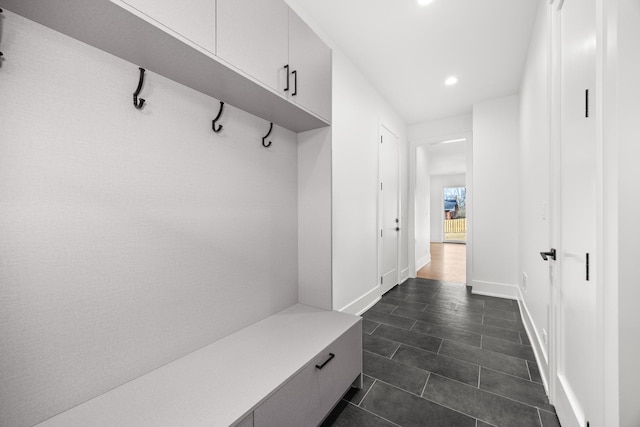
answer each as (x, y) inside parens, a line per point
(455, 215)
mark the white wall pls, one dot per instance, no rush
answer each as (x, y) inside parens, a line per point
(534, 178)
(628, 209)
(358, 111)
(438, 184)
(434, 130)
(448, 158)
(129, 238)
(495, 198)
(422, 208)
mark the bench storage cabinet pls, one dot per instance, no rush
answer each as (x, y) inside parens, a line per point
(262, 375)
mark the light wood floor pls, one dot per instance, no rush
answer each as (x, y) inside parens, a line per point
(448, 263)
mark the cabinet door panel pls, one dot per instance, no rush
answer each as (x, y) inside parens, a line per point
(254, 37)
(309, 396)
(194, 20)
(311, 59)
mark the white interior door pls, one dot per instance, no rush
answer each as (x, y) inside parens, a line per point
(578, 382)
(388, 209)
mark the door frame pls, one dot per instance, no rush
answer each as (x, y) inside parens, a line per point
(425, 143)
(380, 208)
(557, 394)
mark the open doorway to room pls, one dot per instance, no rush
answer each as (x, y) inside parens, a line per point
(455, 215)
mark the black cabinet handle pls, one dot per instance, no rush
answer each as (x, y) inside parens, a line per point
(545, 255)
(331, 356)
(286, 68)
(295, 82)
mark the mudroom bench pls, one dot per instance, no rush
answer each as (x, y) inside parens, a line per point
(289, 369)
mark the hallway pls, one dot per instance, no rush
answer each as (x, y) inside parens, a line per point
(435, 354)
(448, 263)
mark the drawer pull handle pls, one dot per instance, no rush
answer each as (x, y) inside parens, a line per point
(331, 356)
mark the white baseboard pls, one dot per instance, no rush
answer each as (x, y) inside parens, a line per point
(567, 408)
(490, 289)
(423, 261)
(404, 275)
(536, 342)
(364, 303)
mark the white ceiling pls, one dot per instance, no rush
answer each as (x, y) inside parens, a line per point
(407, 51)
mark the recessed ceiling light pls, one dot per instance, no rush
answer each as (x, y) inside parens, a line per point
(451, 81)
(424, 2)
(451, 141)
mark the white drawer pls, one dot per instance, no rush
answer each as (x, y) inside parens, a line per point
(309, 396)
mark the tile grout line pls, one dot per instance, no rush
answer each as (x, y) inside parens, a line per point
(396, 350)
(539, 417)
(425, 385)
(374, 329)
(367, 393)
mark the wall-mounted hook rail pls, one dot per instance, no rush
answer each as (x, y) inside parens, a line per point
(264, 138)
(214, 121)
(139, 103)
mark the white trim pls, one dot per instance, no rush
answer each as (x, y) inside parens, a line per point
(537, 343)
(574, 418)
(363, 303)
(423, 261)
(404, 275)
(492, 289)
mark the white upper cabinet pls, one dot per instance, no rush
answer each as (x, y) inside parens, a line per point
(254, 37)
(310, 68)
(194, 20)
(269, 42)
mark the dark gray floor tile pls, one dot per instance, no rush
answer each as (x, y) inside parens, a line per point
(389, 319)
(534, 371)
(400, 375)
(502, 304)
(481, 404)
(378, 345)
(509, 348)
(548, 419)
(419, 306)
(458, 322)
(514, 325)
(383, 307)
(414, 339)
(483, 424)
(408, 410)
(438, 364)
(522, 390)
(440, 316)
(355, 395)
(488, 312)
(446, 332)
(369, 326)
(489, 359)
(347, 415)
(449, 309)
(524, 338)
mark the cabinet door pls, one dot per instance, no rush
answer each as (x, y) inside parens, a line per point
(195, 20)
(310, 58)
(254, 36)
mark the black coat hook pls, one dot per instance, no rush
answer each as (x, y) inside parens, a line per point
(139, 103)
(266, 136)
(213, 122)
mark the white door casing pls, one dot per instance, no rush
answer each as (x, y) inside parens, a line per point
(388, 209)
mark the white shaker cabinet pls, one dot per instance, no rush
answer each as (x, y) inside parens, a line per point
(269, 42)
(253, 36)
(193, 20)
(310, 68)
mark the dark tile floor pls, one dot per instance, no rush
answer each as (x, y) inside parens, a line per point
(437, 355)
